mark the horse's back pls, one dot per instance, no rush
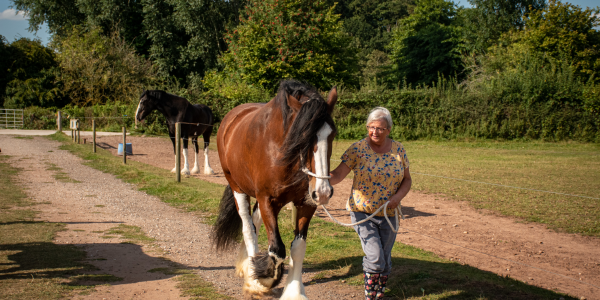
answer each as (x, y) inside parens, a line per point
(232, 137)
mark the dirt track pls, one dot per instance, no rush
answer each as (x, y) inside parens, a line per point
(101, 201)
(525, 251)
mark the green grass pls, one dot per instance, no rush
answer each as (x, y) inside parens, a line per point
(332, 250)
(132, 234)
(31, 266)
(59, 174)
(569, 168)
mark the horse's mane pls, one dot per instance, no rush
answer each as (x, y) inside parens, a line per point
(303, 132)
(156, 94)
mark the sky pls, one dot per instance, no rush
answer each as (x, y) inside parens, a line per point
(14, 25)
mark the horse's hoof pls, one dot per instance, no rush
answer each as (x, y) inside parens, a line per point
(209, 172)
(195, 171)
(185, 172)
(174, 170)
(253, 287)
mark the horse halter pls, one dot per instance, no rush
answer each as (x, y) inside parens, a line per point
(309, 173)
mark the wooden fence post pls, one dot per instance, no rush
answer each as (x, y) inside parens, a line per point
(178, 151)
(78, 136)
(94, 134)
(59, 121)
(124, 145)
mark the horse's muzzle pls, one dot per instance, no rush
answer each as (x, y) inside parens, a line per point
(322, 192)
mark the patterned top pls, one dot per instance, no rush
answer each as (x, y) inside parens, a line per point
(377, 176)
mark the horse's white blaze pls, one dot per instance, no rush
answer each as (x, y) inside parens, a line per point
(207, 169)
(294, 289)
(247, 230)
(137, 111)
(186, 165)
(322, 186)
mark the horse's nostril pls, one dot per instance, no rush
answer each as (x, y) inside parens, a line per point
(314, 195)
(331, 195)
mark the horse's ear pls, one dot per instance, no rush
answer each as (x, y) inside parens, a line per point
(332, 99)
(293, 103)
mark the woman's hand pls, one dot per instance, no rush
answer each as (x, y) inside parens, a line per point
(339, 174)
(402, 191)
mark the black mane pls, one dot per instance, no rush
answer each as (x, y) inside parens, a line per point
(313, 114)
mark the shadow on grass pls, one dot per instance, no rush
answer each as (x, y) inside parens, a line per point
(440, 280)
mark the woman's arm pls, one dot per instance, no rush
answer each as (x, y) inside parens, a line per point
(402, 191)
(339, 174)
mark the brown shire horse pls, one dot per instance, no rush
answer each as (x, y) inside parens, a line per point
(267, 151)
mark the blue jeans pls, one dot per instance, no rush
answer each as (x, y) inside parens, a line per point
(377, 239)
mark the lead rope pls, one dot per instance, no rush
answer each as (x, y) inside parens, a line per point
(397, 210)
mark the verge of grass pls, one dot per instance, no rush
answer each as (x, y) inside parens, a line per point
(31, 266)
(332, 250)
(59, 174)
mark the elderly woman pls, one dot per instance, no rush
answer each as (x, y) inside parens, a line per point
(381, 175)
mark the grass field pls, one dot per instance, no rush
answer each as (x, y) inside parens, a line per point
(567, 168)
(332, 250)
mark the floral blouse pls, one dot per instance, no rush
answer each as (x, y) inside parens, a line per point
(377, 176)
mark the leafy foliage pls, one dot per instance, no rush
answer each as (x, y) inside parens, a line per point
(60, 15)
(487, 20)
(279, 39)
(98, 69)
(562, 32)
(31, 73)
(426, 44)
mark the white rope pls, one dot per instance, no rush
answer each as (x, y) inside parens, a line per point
(396, 211)
(305, 170)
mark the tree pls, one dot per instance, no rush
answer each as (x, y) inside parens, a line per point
(370, 23)
(31, 70)
(60, 15)
(187, 36)
(181, 37)
(426, 44)
(300, 39)
(96, 69)
(561, 31)
(487, 20)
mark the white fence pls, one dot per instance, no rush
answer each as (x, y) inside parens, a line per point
(11, 118)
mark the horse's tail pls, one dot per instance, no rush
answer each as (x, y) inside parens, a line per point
(228, 227)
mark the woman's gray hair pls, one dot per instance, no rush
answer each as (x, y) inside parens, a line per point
(380, 113)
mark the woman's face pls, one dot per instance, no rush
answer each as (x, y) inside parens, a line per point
(378, 131)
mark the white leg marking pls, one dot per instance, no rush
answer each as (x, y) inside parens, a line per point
(294, 289)
(175, 167)
(242, 252)
(207, 169)
(322, 186)
(251, 285)
(196, 168)
(186, 165)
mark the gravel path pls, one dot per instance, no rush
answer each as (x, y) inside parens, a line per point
(100, 201)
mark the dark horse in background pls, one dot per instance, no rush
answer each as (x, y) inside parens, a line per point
(178, 109)
(277, 152)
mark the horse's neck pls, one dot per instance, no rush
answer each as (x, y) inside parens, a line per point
(173, 108)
